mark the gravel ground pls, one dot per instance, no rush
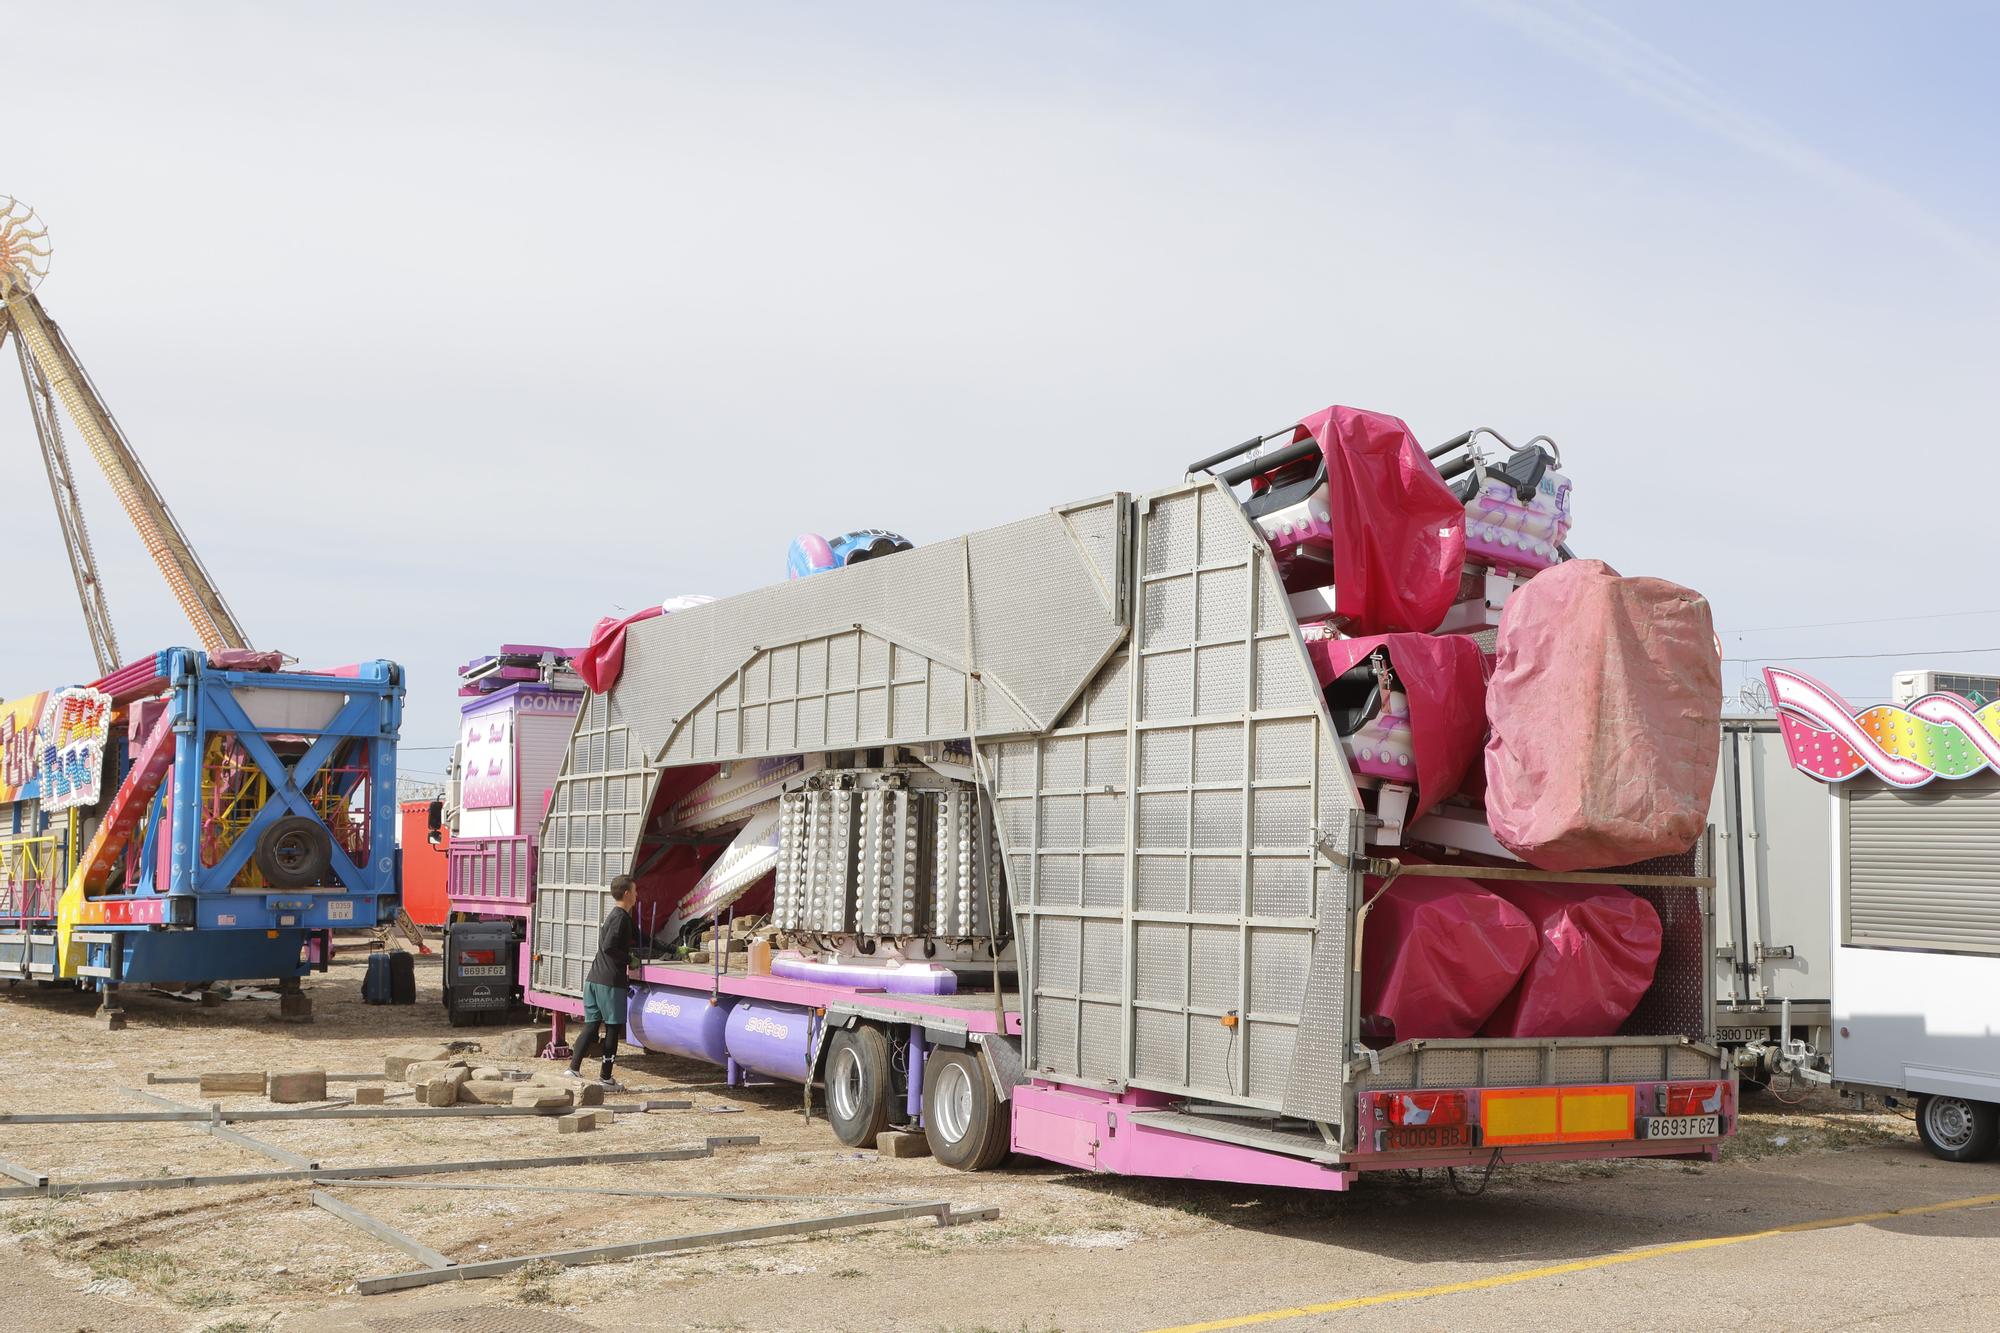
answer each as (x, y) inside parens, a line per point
(1068, 1252)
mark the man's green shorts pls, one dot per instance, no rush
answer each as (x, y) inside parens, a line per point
(603, 1004)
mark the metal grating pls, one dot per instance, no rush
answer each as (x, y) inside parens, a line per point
(1163, 839)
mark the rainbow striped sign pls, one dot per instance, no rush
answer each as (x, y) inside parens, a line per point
(1937, 736)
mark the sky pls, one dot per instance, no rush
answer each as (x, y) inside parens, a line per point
(448, 325)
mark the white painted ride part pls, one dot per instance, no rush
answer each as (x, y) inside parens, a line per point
(969, 877)
(788, 904)
(884, 883)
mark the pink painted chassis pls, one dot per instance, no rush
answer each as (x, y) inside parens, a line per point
(1092, 1129)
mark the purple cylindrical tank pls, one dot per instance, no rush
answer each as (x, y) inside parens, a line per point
(679, 1022)
(894, 978)
(771, 1039)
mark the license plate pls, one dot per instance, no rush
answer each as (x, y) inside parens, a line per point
(1407, 1137)
(484, 970)
(1683, 1126)
(1742, 1034)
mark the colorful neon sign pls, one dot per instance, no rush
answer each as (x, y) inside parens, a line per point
(1937, 736)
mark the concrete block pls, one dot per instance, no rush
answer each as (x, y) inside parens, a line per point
(247, 1081)
(423, 1071)
(295, 1007)
(437, 1092)
(488, 1071)
(489, 1091)
(112, 1019)
(526, 1044)
(583, 1122)
(212, 999)
(540, 1098)
(298, 1085)
(900, 1143)
(588, 1094)
(394, 1065)
(369, 1094)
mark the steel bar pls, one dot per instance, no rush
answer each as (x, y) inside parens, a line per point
(22, 1174)
(320, 1113)
(154, 1079)
(61, 1189)
(217, 1131)
(615, 1191)
(380, 1230)
(371, 1286)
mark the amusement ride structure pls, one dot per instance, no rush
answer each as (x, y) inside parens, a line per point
(52, 373)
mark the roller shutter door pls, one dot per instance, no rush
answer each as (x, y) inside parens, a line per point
(1923, 865)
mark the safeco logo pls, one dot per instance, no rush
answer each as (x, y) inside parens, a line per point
(765, 1027)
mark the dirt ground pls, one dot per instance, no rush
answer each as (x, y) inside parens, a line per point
(1068, 1251)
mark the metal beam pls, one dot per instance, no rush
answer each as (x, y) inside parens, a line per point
(614, 1191)
(217, 1131)
(22, 1174)
(321, 1113)
(60, 1189)
(381, 1231)
(597, 1254)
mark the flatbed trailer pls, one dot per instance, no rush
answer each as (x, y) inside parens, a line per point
(1112, 705)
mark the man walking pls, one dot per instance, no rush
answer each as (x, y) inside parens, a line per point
(605, 986)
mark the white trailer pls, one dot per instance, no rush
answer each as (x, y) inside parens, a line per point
(1914, 848)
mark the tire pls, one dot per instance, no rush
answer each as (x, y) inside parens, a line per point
(294, 852)
(964, 1121)
(1958, 1129)
(857, 1085)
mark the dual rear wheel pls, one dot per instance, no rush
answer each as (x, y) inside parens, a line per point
(965, 1123)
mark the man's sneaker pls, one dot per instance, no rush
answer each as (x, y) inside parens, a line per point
(576, 1074)
(612, 1085)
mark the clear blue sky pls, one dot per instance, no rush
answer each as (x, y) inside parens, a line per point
(455, 324)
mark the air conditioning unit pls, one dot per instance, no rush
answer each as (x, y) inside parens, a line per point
(1909, 686)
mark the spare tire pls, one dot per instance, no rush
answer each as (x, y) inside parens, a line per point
(294, 853)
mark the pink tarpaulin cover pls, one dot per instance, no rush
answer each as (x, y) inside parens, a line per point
(1439, 955)
(603, 658)
(1597, 947)
(1398, 531)
(1605, 709)
(1445, 679)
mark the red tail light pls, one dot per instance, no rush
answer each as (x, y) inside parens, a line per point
(1691, 1099)
(1426, 1108)
(477, 957)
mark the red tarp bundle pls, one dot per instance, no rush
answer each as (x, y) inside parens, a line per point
(1398, 531)
(1598, 946)
(1439, 955)
(1606, 711)
(603, 658)
(1445, 679)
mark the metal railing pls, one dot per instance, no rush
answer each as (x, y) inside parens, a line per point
(30, 878)
(491, 872)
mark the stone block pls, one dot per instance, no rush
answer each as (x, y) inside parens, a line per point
(526, 1044)
(246, 1081)
(438, 1092)
(369, 1094)
(588, 1094)
(901, 1143)
(540, 1098)
(423, 1071)
(488, 1091)
(298, 1085)
(396, 1062)
(112, 1019)
(583, 1122)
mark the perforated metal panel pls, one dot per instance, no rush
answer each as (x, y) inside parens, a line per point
(1164, 840)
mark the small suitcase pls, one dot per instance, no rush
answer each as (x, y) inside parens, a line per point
(375, 988)
(402, 977)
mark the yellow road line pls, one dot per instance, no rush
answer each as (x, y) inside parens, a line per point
(1574, 1266)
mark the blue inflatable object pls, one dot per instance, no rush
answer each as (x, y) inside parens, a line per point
(811, 553)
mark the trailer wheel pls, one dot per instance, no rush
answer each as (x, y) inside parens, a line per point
(294, 853)
(964, 1122)
(857, 1085)
(1957, 1129)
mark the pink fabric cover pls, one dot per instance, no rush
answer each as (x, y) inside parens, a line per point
(1598, 946)
(603, 658)
(1606, 713)
(1439, 955)
(1445, 679)
(247, 659)
(1398, 531)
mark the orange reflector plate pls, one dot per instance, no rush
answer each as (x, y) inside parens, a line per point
(1556, 1115)
(1597, 1115)
(1520, 1115)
